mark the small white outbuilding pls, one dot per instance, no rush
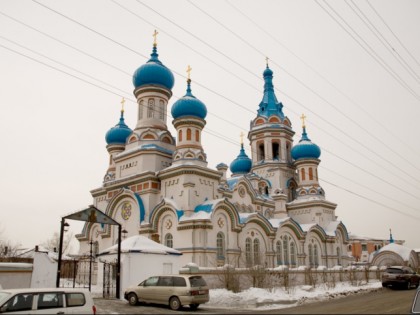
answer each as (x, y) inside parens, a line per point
(140, 258)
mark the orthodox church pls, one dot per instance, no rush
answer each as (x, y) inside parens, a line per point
(271, 211)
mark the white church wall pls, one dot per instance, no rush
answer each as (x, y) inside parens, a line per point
(44, 271)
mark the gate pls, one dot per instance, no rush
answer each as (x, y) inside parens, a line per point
(81, 272)
(109, 280)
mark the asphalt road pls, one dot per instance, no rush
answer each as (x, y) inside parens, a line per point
(382, 301)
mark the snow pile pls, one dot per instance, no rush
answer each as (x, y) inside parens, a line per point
(279, 298)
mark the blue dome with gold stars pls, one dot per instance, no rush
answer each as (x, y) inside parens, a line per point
(242, 164)
(189, 105)
(153, 72)
(305, 149)
(119, 133)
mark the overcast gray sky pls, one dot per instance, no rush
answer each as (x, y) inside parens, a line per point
(352, 67)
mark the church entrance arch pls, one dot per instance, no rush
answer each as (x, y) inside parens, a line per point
(91, 215)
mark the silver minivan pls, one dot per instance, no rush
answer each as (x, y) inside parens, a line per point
(46, 301)
(172, 290)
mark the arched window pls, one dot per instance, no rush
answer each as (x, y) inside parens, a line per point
(278, 253)
(180, 135)
(349, 248)
(95, 248)
(197, 136)
(316, 261)
(141, 108)
(292, 253)
(161, 109)
(286, 250)
(169, 240)
(311, 256)
(311, 175)
(338, 256)
(276, 150)
(150, 108)
(188, 134)
(220, 244)
(261, 154)
(248, 256)
(302, 173)
(256, 251)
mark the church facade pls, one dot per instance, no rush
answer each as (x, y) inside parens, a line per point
(270, 211)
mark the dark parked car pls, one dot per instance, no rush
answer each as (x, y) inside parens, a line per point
(400, 276)
(415, 309)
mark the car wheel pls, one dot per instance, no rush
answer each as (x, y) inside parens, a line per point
(384, 285)
(194, 306)
(132, 299)
(174, 303)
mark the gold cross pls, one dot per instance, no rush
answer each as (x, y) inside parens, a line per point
(266, 61)
(154, 36)
(189, 72)
(303, 119)
(242, 137)
(122, 104)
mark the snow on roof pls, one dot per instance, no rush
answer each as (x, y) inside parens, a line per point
(277, 222)
(11, 266)
(200, 215)
(307, 227)
(331, 228)
(403, 251)
(140, 244)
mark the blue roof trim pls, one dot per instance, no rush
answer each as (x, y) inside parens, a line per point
(179, 213)
(232, 182)
(156, 147)
(141, 206)
(204, 207)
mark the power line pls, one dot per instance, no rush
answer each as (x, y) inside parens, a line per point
(371, 52)
(361, 108)
(73, 76)
(396, 37)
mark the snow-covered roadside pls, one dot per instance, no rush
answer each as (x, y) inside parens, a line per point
(279, 298)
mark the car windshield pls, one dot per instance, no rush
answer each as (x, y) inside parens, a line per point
(394, 270)
(197, 282)
(4, 296)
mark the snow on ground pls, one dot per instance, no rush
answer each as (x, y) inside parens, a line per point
(276, 298)
(279, 298)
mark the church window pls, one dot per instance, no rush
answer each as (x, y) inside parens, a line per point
(150, 108)
(248, 256)
(316, 259)
(302, 173)
(220, 244)
(256, 251)
(338, 256)
(276, 151)
(180, 135)
(188, 134)
(311, 256)
(292, 253)
(349, 248)
(95, 248)
(311, 175)
(141, 107)
(364, 248)
(286, 250)
(261, 154)
(169, 240)
(197, 136)
(288, 155)
(161, 109)
(278, 253)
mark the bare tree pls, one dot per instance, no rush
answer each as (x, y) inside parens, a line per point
(8, 249)
(53, 243)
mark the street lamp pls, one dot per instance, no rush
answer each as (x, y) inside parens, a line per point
(66, 226)
(124, 232)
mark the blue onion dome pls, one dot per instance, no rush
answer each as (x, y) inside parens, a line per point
(305, 149)
(153, 72)
(119, 133)
(189, 105)
(242, 164)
